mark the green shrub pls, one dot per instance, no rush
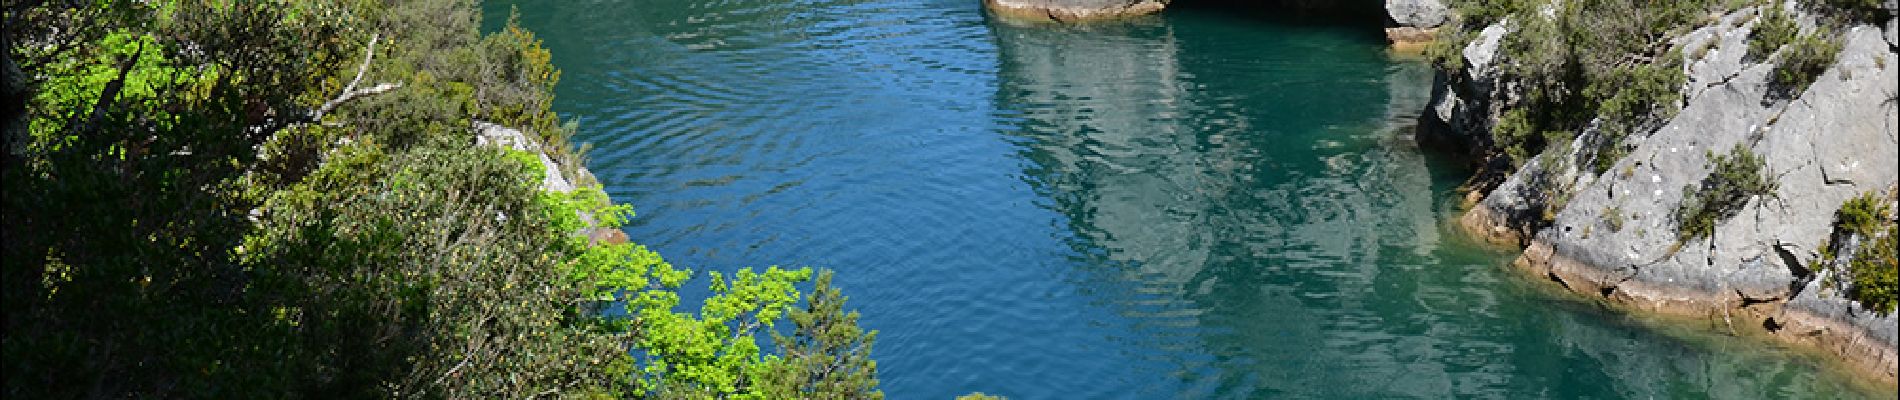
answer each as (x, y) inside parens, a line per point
(1802, 62)
(1633, 97)
(1733, 179)
(1775, 28)
(1876, 272)
(1863, 215)
(1470, 16)
(1590, 59)
(1872, 272)
(1446, 51)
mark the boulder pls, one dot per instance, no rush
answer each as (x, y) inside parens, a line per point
(1415, 22)
(1418, 13)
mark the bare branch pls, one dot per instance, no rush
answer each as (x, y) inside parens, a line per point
(349, 90)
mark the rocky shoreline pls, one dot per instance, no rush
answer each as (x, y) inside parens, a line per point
(1612, 235)
(1073, 10)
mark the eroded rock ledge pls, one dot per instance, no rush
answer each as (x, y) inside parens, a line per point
(1615, 238)
(1073, 10)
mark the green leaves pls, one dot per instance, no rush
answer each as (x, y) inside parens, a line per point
(1802, 62)
(828, 356)
(1871, 274)
(716, 352)
(213, 247)
(1733, 179)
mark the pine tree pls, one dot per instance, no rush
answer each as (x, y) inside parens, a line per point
(828, 356)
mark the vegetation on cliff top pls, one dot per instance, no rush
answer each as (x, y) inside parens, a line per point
(1607, 65)
(1610, 65)
(284, 199)
(1589, 74)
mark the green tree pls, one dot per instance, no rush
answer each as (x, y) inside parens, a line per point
(828, 355)
(284, 199)
(1733, 179)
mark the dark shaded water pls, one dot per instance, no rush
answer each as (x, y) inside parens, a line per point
(1201, 205)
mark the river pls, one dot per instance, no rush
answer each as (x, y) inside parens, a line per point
(1207, 204)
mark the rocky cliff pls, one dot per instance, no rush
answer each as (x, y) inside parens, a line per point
(1614, 234)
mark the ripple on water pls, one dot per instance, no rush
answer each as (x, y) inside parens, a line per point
(1198, 205)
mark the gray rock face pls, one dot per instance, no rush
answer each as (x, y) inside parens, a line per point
(1073, 10)
(1418, 13)
(1616, 236)
(488, 134)
(1467, 102)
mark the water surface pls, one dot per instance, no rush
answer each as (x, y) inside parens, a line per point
(1207, 204)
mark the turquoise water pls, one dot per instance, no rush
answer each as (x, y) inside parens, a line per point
(1210, 204)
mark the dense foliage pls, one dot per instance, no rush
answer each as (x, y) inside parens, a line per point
(1607, 65)
(1733, 179)
(285, 199)
(1871, 272)
(1800, 63)
(1611, 65)
(1773, 28)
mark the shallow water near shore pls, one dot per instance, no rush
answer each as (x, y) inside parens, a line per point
(1205, 204)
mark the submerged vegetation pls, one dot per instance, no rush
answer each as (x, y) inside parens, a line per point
(285, 198)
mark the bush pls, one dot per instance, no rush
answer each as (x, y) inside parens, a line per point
(1801, 63)
(1876, 273)
(1775, 28)
(1733, 179)
(1634, 98)
(1872, 272)
(1613, 217)
(1588, 60)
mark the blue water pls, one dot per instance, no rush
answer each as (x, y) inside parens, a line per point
(1210, 204)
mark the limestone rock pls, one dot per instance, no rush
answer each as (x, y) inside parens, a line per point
(1616, 234)
(1418, 13)
(1466, 102)
(489, 134)
(1073, 10)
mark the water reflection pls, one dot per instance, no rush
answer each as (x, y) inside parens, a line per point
(1273, 230)
(1186, 206)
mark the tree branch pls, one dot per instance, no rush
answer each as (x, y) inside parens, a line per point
(349, 90)
(108, 95)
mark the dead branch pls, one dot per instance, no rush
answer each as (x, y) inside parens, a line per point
(349, 91)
